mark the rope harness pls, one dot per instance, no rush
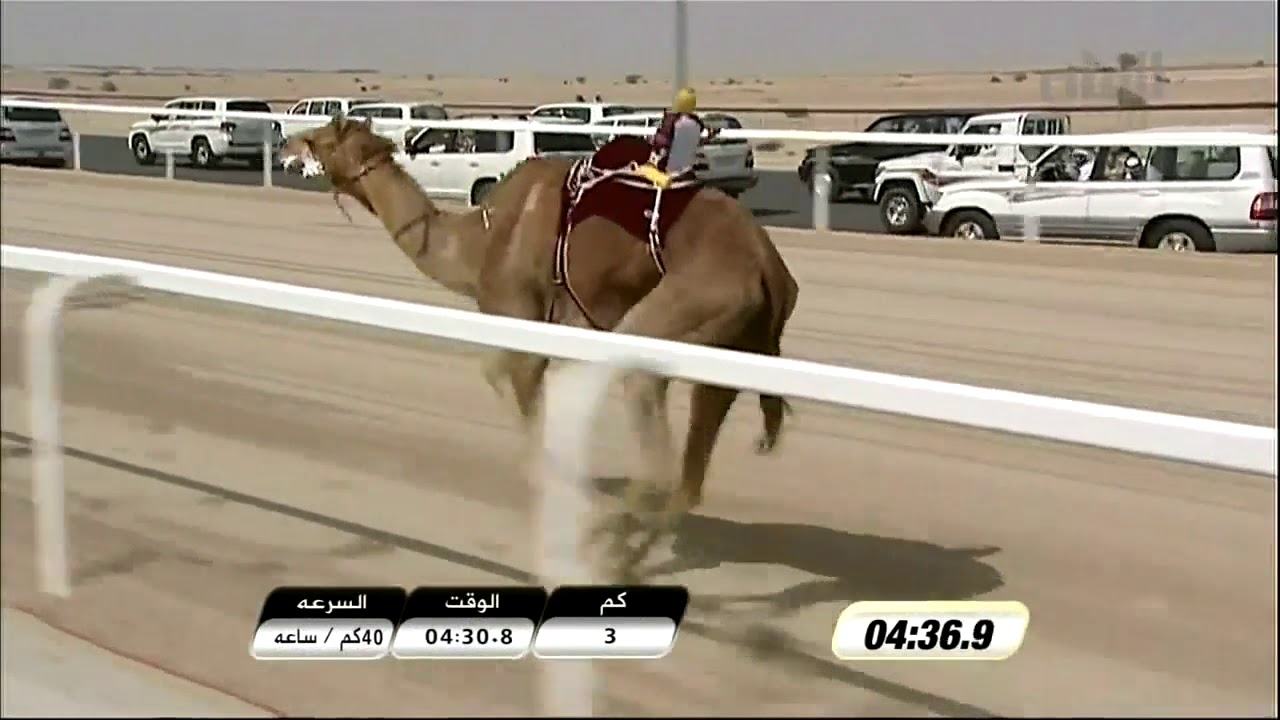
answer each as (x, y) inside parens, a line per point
(368, 166)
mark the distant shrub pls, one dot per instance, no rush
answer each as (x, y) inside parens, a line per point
(1020, 77)
(430, 77)
(108, 86)
(1127, 61)
(633, 79)
(375, 88)
(1259, 63)
(187, 87)
(996, 79)
(1163, 79)
(364, 89)
(580, 80)
(59, 83)
(796, 114)
(1127, 98)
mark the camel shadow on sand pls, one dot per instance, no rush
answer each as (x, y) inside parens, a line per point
(849, 566)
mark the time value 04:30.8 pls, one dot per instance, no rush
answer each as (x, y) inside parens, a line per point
(467, 636)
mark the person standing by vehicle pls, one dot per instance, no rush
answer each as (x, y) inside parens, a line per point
(675, 144)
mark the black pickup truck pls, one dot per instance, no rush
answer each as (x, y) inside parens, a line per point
(853, 165)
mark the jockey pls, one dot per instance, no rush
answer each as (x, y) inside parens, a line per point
(675, 144)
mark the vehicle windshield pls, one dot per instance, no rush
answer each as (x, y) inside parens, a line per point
(27, 114)
(428, 112)
(562, 142)
(248, 106)
(724, 122)
(612, 110)
(1271, 153)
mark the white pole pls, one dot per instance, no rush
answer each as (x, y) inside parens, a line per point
(682, 44)
(75, 150)
(573, 394)
(822, 189)
(266, 163)
(1031, 228)
(44, 367)
(168, 164)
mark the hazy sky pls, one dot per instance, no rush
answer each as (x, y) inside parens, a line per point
(475, 37)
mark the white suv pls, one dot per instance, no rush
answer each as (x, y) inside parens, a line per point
(395, 118)
(905, 186)
(37, 135)
(590, 113)
(206, 140)
(1185, 199)
(466, 164)
(723, 163)
(313, 112)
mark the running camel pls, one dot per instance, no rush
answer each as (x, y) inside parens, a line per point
(685, 263)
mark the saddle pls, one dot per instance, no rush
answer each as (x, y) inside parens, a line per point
(608, 185)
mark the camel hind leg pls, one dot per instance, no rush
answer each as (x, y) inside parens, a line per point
(680, 310)
(710, 405)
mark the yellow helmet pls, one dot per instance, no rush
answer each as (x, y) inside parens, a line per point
(686, 101)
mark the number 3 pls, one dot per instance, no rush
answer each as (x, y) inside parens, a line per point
(610, 637)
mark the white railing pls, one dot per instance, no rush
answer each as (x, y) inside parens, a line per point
(1178, 437)
(574, 396)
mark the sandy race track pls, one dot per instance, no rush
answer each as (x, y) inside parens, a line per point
(216, 452)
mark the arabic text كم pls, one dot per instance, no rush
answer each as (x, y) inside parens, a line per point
(470, 602)
(357, 604)
(620, 602)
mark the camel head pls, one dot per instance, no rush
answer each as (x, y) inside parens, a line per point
(343, 150)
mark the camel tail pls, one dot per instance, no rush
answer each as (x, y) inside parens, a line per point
(780, 292)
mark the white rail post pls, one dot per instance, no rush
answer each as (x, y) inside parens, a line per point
(572, 396)
(168, 164)
(44, 322)
(822, 189)
(75, 150)
(266, 163)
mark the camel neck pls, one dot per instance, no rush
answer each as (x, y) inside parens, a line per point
(446, 247)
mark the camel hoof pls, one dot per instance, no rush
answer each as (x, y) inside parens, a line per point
(683, 501)
(765, 444)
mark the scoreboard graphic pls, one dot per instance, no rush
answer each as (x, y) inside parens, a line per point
(582, 622)
(476, 622)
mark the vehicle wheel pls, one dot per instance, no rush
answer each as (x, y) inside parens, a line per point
(142, 152)
(900, 210)
(481, 190)
(201, 154)
(971, 225)
(1177, 235)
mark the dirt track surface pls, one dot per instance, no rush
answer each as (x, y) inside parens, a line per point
(220, 451)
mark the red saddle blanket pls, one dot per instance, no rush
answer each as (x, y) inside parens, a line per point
(607, 186)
